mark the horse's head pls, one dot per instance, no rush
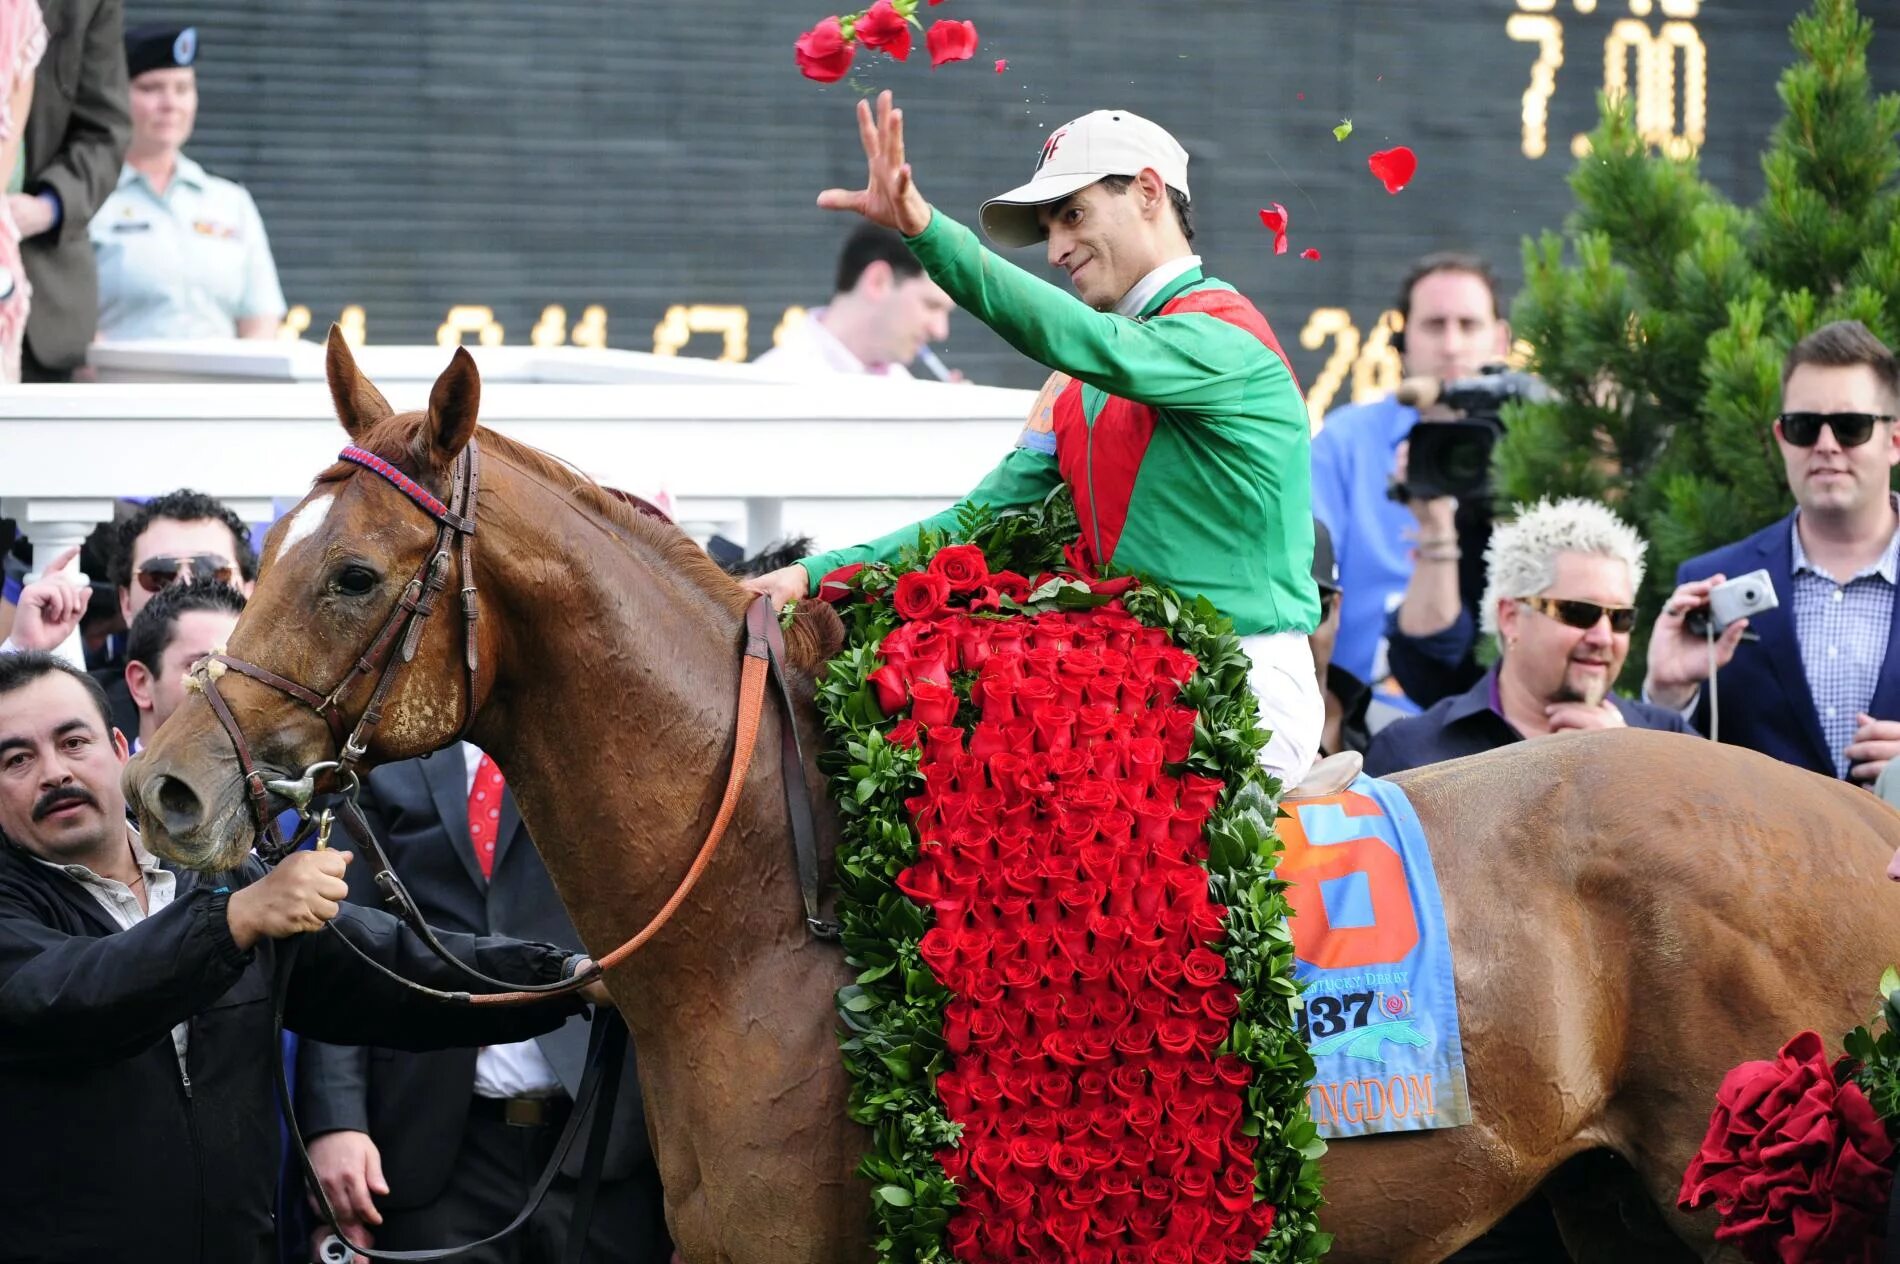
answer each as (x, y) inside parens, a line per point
(326, 618)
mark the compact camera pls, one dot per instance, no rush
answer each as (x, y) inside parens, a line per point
(1738, 598)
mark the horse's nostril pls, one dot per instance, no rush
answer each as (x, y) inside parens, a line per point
(178, 806)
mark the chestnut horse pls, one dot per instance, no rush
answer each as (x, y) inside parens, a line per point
(1632, 914)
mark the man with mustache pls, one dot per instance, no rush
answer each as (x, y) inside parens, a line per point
(1818, 685)
(1561, 583)
(135, 1001)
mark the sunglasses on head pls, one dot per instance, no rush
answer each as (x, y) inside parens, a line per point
(1582, 615)
(1851, 430)
(156, 574)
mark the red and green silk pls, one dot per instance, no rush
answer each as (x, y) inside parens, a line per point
(1184, 436)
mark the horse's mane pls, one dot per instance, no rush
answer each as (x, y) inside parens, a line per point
(816, 633)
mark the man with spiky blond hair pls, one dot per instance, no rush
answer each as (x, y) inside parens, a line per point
(1560, 592)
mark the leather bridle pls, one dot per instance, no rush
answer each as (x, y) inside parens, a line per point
(391, 649)
(394, 647)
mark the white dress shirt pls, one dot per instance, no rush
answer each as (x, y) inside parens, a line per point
(519, 1069)
(1143, 291)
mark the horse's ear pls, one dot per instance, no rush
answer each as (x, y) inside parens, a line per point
(453, 404)
(359, 405)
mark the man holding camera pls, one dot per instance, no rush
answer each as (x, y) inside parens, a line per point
(1413, 557)
(1817, 668)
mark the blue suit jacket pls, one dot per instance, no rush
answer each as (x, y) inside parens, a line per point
(1767, 704)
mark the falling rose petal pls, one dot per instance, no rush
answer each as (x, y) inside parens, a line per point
(1002, 63)
(1299, 96)
(884, 29)
(1343, 130)
(1394, 167)
(823, 53)
(1275, 220)
(950, 40)
(1310, 253)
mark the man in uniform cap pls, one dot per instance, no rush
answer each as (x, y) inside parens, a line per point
(1172, 412)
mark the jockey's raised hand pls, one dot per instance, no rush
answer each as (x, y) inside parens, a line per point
(890, 196)
(786, 584)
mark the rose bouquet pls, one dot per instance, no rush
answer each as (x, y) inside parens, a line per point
(1072, 1031)
(1798, 1160)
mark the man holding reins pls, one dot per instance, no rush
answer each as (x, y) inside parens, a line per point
(1172, 414)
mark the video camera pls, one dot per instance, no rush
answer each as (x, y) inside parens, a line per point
(1452, 457)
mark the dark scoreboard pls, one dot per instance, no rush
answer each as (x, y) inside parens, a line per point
(640, 173)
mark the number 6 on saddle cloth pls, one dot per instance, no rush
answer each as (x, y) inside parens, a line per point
(1374, 960)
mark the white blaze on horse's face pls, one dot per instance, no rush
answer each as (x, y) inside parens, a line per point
(304, 524)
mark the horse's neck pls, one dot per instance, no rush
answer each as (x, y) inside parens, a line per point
(614, 715)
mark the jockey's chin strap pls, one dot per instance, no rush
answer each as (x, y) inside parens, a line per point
(394, 647)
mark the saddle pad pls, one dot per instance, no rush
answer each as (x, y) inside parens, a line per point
(1368, 927)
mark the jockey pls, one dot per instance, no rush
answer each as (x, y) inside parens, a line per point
(1172, 414)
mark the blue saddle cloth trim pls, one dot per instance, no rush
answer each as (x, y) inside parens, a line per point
(1384, 1036)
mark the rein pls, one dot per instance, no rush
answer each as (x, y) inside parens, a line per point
(394, 647)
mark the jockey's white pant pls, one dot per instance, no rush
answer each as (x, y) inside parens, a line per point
(1291, 705)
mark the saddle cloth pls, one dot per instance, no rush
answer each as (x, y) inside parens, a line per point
(1371, 952)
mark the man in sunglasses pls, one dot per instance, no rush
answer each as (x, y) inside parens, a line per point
(1560, 594)
(1816, 684)
(181, 536)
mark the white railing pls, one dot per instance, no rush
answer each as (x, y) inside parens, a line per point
(753, 459)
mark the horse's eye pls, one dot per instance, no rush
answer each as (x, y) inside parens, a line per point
(355, 581)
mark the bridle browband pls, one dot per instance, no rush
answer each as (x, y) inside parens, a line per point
(394, 647)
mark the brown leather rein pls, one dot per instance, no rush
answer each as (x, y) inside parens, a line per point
(394, 647)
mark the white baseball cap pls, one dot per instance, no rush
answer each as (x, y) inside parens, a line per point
(1076, 155)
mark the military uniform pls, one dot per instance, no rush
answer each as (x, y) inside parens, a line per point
(188, 263)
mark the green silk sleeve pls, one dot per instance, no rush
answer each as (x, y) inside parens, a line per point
(1188, 361)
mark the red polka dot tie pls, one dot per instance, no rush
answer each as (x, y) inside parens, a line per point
(484, 813)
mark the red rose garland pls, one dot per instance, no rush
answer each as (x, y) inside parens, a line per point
(1073, 930)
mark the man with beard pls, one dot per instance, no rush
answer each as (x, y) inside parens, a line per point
(1561, 585)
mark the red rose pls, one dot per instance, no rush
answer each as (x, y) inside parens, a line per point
(1055, 728)
(1033, 695)
(919, 595)
(973, 644)
(960, 565)
(933, 704)
(905, 733)
(1232, 1071)
(1011, 585)
(1795, 1161)
(1202, 968)
(1220, 1004)
(823, 53)
(1177, 734)
(881, 28)
(836, 586)
(951, 40)
(1113, 587)
(1015, 1194)
(1029, 1153)
(893, 691)
(1234, 1187)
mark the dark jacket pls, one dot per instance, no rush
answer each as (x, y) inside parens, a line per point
(1465, 724)
(414, 1106)
(1766, 702)
(112, 1155)
(76, 134)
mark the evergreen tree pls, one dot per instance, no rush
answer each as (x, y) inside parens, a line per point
(1663, 325)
